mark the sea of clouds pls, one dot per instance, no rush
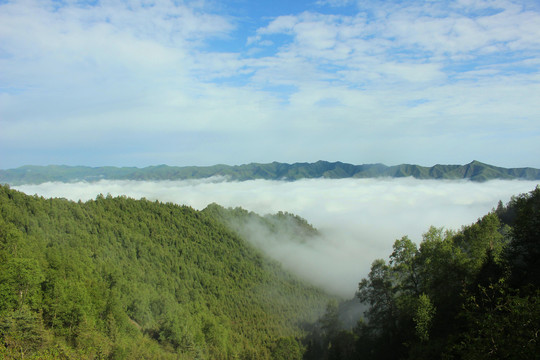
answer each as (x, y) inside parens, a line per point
(359, 218)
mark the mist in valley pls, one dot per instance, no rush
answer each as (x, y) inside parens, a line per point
(358, 219)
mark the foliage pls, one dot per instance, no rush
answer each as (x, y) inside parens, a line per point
(502, 324)
(423, 317)
(287, 348)
(523, 252)
(282, 226)
(467, 294)
(121, 278)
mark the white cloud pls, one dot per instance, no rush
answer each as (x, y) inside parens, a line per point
(281, 24)
(336, 3)
(436, 69)
(458, 33)
(114, 52)
(359, 218)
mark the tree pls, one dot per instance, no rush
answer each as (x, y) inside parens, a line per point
(22, 331)
(378, 291)
(405, 267)
(423, 317)
(475, 240)
(286, 348)
(523, 252)
(382, 330)
(19, 280)
(330, 323)
(10, 241)
(501, 324)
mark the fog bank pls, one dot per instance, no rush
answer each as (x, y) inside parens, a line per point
(359, 218)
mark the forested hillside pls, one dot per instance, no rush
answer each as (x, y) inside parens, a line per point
(467, 294)
(121, 278)
(475, 171)
(282, 226)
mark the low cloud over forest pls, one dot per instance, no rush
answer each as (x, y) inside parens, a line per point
(359, 219)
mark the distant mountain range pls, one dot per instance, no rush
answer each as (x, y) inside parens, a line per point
(475, 171)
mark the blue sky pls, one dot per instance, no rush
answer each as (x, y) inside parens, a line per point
(137, 83)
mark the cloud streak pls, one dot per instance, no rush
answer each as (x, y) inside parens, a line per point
(359, 218)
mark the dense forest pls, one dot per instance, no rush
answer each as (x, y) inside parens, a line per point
(118, 278)
(474, 171)
(467, 294)
(121, 278)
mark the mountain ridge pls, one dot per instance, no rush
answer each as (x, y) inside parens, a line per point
(474, 171)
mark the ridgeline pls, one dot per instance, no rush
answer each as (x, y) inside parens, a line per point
(474, 171)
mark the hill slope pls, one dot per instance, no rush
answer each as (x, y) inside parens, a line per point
(467, 294)
(124, 278)
(475, 171)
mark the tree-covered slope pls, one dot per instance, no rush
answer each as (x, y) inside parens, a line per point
(282, 226)
(467, 294)
(475, 171)
(123, 278)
